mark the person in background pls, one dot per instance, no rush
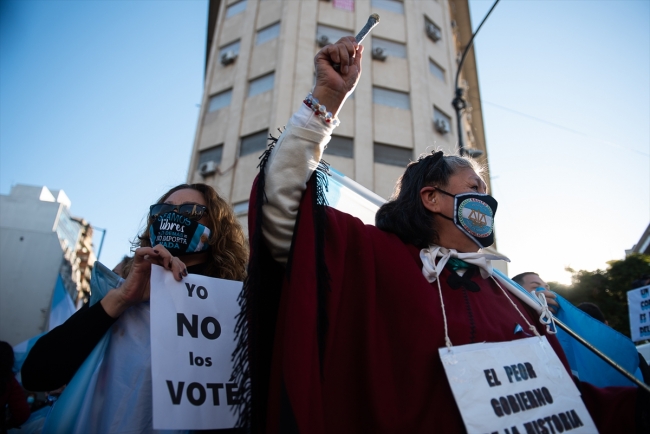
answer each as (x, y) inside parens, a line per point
(531, 282)
(120, 268)
(213, 244)
(593, 311)
(15, 409)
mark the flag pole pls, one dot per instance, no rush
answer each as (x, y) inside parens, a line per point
(600, 354)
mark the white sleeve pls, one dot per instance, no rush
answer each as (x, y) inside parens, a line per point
(290, 165)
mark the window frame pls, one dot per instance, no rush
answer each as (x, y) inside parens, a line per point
(235, 7)
(256, 147)
(342, 150)
(228, 47)
(377, 91)
(395, 159)
(385, 5)
(389, 47)
(217, 95)
(267, 28)
(258, 80)
(436, 66)
(438, 113)
(200, 160)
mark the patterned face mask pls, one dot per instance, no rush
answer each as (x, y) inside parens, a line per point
(474, 215)
(179, 234)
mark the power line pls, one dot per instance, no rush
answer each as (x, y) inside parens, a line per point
(561, 127)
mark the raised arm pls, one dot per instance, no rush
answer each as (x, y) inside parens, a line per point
(299, 148)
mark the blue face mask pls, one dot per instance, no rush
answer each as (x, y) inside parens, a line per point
(179, 234)
(474, 215)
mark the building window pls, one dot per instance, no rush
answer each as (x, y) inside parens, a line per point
(267, 33)
(233, 48)
(391, 98)
(341, 147)
(441, 121)
(389, 48)
(329, 35)
(211, 154)
(236, 8)
(346, 5)
(433, 31)
(389, 5)
(220, 100)
(240, 208)
(392, 155)
(436, 70)
(261, 84)
(253, 143)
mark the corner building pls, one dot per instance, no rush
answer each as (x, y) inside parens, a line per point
(46, 261)
(259, 68)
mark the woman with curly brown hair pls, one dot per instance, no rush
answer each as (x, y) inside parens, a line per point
(190, 229)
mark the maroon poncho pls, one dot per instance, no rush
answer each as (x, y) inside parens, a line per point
(346, 339)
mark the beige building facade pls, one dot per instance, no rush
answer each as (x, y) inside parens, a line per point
(260, 68)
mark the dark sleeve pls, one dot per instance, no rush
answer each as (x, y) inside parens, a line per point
(55, 357)
(17, 403)
(617, 409)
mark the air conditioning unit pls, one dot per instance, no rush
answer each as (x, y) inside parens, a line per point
(322, 40)
(433, 32)
(474, 153)
(441, 125)
(228, 57)
(208, 168)
(378, 54)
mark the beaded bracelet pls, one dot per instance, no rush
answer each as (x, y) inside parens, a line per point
(320, 109)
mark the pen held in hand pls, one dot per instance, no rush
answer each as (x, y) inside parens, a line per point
(373, 20)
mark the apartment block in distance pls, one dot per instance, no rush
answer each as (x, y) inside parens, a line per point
(46, 259)
(259, 68)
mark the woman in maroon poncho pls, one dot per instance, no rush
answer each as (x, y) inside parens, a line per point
(343, 320)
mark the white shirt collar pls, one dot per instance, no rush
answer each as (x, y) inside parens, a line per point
(431, 270)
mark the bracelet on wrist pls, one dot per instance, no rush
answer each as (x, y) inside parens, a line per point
(320, 109)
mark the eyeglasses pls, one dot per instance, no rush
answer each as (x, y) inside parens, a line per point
(192, 211)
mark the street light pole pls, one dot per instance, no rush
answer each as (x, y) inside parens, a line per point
(458, 102)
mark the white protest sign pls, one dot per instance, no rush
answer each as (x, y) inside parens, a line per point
(192, 341)
(638, 302)
(514, 388)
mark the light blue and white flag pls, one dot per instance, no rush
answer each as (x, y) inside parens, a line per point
(20, 354)
(586, 365)
(61, 309)
(111, 390)
(62, 306)
(346, 195)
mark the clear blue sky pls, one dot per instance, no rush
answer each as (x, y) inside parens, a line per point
(567, 199)
(99, 98)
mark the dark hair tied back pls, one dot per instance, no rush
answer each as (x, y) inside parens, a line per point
(404, 214)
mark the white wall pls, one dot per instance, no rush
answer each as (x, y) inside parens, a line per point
(29, 266)
(30, 259)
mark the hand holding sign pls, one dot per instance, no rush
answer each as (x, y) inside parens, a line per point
(192, 340)
(136, 287)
